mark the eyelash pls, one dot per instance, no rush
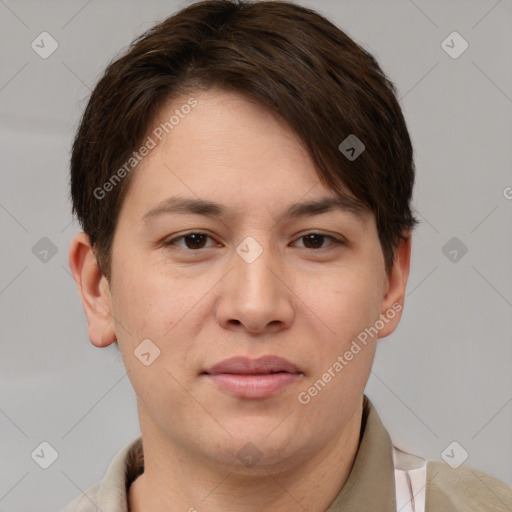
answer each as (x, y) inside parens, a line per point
(170, 242)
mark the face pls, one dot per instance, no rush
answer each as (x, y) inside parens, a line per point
(244, 278)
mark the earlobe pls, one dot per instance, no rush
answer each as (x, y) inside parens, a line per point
(93, 289)
(394, 297)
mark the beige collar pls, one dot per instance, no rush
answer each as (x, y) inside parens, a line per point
(371, 483)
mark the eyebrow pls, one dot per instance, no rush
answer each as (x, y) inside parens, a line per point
(211, 209)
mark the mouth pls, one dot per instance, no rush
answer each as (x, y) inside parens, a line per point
(266, 365)
(253, 378)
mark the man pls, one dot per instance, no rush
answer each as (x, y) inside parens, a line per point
(243, 177)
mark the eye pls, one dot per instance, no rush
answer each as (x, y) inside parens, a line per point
(193, 240)
(316, 240)
(196, 240)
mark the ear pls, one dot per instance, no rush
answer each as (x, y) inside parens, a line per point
(94, 290)
(394, 296)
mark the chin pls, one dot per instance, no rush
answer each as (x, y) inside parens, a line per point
(258, 453)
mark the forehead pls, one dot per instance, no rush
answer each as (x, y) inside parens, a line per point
(232, 149)
(226, 127)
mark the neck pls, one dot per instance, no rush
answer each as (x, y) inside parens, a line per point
(187, 485)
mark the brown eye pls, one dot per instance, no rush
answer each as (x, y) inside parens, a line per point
(316, 240)
(192, 241)
(195, 241)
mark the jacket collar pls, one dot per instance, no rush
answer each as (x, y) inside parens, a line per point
(371, 482)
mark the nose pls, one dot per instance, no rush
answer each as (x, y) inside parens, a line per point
(256, 296)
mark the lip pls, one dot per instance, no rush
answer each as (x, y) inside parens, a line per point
(254, 378)
(247, 366)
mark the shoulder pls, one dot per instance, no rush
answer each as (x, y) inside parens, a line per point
(86, 502)
(465, 489)
(110, 493)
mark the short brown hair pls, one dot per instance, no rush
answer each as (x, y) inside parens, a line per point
(284, 56)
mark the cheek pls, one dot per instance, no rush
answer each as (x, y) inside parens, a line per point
(346, 305)
(342, 362)
(153, 302)
(143, 305)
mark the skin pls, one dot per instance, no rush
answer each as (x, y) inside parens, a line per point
(300, 299)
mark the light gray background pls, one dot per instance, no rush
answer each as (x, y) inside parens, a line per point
(445, 373)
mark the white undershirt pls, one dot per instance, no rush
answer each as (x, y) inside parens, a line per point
(410, 481)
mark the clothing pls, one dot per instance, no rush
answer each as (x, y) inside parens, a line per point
(383, 479)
